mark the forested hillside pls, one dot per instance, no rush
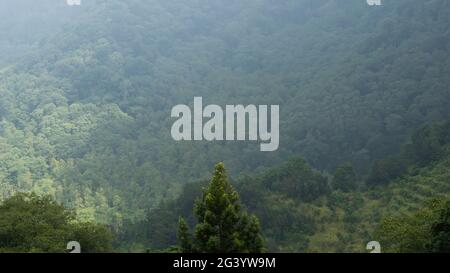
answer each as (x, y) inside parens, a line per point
(86, 97)
(26, 25)
(302, 210)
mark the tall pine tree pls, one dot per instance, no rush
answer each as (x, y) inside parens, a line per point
(222, 227)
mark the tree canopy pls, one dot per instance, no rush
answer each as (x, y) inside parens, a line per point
(31, 223)
(221, 225)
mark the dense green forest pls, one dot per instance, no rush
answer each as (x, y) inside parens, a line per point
(86, 93)
(304, 210)
(31, 223)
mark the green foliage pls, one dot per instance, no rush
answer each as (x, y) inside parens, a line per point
(440, 231)
(337, 221)
(428, 144)
(85, 113)
(184, 238)
(386, 170)
(30, 223)
(93, 238)
(296, 179)
(424, 231)
(344, 178)
(221, 227)
(84, 110)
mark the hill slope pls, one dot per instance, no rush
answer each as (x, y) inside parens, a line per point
(86, 116)
(334, 221)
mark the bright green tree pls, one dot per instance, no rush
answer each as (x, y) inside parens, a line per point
(426, 230)
(32, 223)
(222, 227)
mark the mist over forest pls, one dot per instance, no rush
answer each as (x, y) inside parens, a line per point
(86, 94)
